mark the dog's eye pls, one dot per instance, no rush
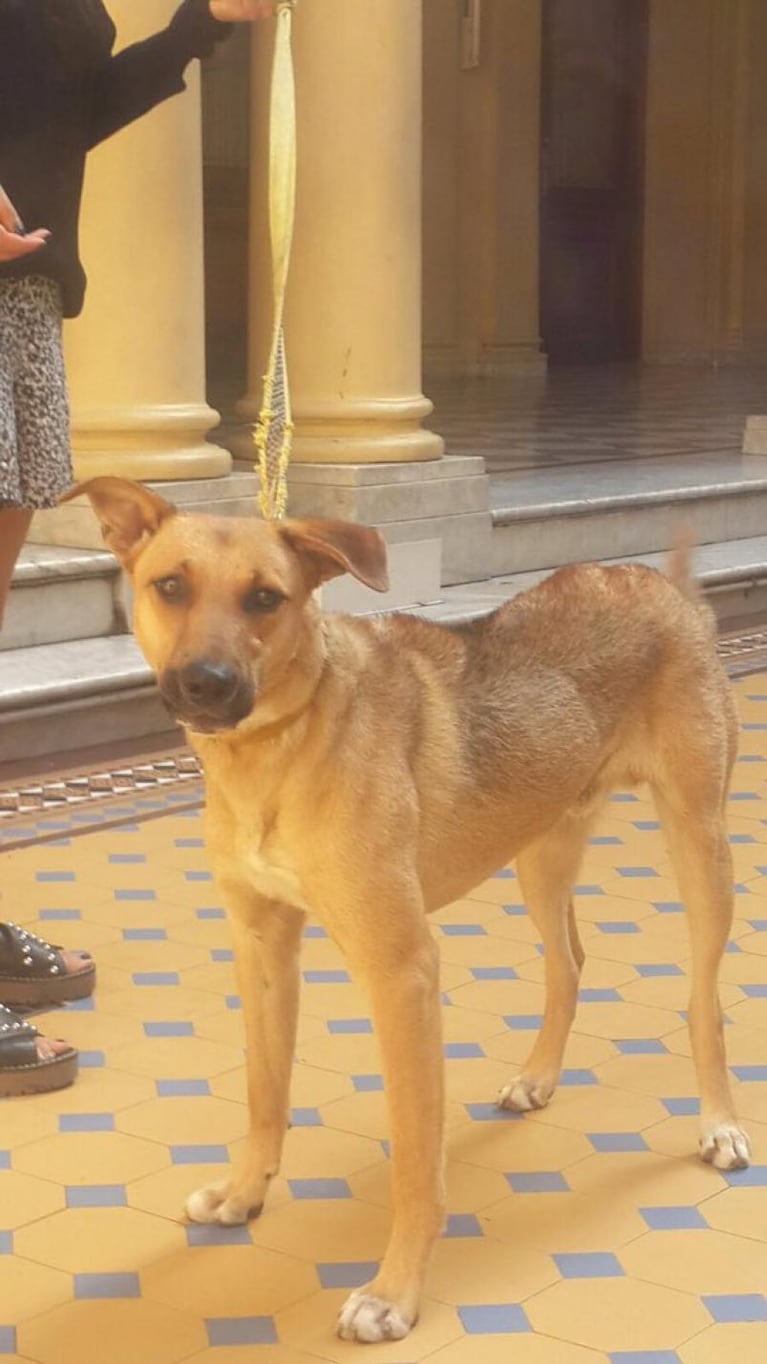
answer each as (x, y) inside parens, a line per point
(173, 588)
(261, 599)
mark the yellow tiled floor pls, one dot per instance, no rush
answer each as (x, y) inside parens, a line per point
(586, 1232)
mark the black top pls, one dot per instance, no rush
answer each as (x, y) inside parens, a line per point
(49, 121)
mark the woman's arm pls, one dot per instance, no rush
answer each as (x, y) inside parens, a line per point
(146, 73)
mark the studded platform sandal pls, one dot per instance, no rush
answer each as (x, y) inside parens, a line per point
(22, 1070)
(34, 973)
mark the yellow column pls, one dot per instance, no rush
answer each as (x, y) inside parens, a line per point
(353, 320)
(136, 357)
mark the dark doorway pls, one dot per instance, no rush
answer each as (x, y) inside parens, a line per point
(592, 140)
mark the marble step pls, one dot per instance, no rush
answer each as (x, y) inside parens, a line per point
(62, 594)
(62, 697)
(549, 517)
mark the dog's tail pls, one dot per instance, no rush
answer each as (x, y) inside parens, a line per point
(679, 567)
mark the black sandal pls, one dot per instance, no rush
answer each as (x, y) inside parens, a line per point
(34, 973)
(22, 1071)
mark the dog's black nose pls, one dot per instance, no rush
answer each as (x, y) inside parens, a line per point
(205, 683)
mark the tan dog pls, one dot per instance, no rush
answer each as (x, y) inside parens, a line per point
(374, 769)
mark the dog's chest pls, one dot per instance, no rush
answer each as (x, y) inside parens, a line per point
(265, 864)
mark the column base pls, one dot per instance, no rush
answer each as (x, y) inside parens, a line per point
(755, 436)
(444, 500)
(75, 525)
(147, 443)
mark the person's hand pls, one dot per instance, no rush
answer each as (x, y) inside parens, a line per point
(241, 11)
(12, 243)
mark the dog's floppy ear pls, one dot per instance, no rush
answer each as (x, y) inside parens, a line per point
(329, 548)
(129, 513)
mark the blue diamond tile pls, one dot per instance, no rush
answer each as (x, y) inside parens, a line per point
(189, 842)
(617, 1141)
(210, 912)
(145, 935)
(737, 1306)
(636, 872)
(131, 895)
(743, 795)
(7, 1340)
(366, 1084)
(96, 1196)
(755, 991)
(233, 1001)
(541, 1181)
(306, 1117)
(758, 925)
(742, 838)
(500, 1319)
(126, 859)
(47, 877)
(348, 1274)
(641, 1046)
(600, 995)
(327, 977)
(107, 1286)
(182, 1089)
(155, 978)
(588, 890)
(505, 874)
(199, 1155)
(523, 1022)
(83, 1006)
(623, 798)
(91, 1060)
(755, 1177)
(172, 1028)
(462, 1224)
(221, 954)
(5, 1160)
(653, 968)
(463, 930)
(578, 1077)
(241, 1331)
(209, 1234)
(668, 906)
(644, 1357)
(749, 1074)
(198, 876)
(6, 1242)
(350, 1025)
(60, 914)
(319, 1188)
(462, 1051)
(646, 825)
(605, 841)
(315, 931)
(681, 1108)
(494, 973)
(619, 926)
(516, 910)
(589, 1265)
(86, 1122)
(673, 1219)
(491, 1113)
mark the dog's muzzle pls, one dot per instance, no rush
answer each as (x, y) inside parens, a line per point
(207, 695)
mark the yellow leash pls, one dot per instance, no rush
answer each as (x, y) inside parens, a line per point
(273, 433)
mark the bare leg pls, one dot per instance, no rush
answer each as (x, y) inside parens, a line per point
(14, 524)
(267, 939)
(547, 872)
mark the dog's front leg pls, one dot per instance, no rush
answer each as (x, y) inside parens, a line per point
(396, 957)
(267, 939)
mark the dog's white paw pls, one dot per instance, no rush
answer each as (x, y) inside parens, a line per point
(523, 1094)
(370, 1320)
(216, 1204)
(726, 1146)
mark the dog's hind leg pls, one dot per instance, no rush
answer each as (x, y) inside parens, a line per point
(267, 940)
(547, 871)
(690, 799)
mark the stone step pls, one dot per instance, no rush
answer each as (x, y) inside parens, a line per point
(62, 594)
(553, 516)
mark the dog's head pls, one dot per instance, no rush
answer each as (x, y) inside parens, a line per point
(221, 605)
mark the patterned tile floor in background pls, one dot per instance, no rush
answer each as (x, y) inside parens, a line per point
(585, 1233)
